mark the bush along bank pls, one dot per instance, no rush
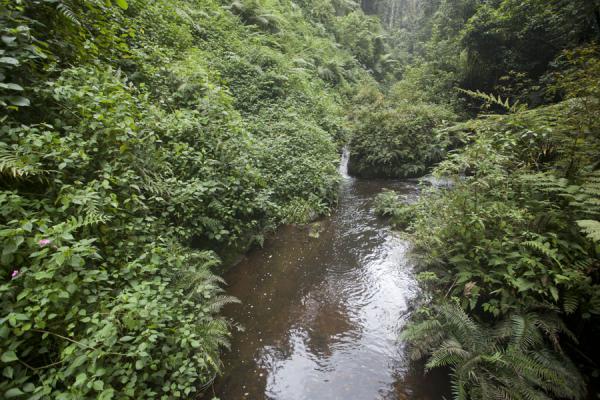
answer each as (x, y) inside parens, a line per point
(396, 137)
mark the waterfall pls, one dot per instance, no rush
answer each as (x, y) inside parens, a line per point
(344, 163)
(392, 14)
(401, 13)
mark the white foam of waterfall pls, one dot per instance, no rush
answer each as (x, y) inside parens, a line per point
(344, 163)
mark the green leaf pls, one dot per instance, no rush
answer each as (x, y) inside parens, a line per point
(80, 379)
(123, 4)
(8, 372)
(19, 101)
(11, 86)
(78, 361)
(107, 394)
(98, 385)
(14, 392)
(9, 60)
(523, 285)
(9, 356)
(8, 39)
(554, 292)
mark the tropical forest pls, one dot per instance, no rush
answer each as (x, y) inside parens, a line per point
(300, 199)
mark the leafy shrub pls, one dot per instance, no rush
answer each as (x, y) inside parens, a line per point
(98, 296)
(392, 139)
(300, 159)
(389, 204)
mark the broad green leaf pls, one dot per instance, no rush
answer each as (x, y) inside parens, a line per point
(80, 379)
(11, 86)
(107, 394)
(9, 356)
(123, 4)
(14, 392)
(19, 101)
(9, 60)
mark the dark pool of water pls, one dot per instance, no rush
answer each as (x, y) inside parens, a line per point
(322, 314)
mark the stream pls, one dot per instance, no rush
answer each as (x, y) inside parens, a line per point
(322, 307)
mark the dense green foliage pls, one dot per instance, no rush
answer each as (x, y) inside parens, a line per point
(500, 46)
(508, 361)
(140, 142)
(394, 137)
(510, 252)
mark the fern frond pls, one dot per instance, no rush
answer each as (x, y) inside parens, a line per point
(217, 303)
(552, 326)
(510, 361)
(582, 264)
(423, 337)
(542, 248)
(326, 74)
(459, 390)
(519, 389)
(67, 13)
(459, 322)
(16, 167)
(524, 332)
(591, 229)
(515, 107)
(450, 352)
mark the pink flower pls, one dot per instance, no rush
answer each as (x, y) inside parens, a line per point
(44, 242)
(14, 274)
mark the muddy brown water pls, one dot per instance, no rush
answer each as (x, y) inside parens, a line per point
(321, 315)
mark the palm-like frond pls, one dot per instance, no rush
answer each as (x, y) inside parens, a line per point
(519, 358)
(450, 352)
(497, 100)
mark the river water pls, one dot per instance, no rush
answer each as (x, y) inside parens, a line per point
(322, 307)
